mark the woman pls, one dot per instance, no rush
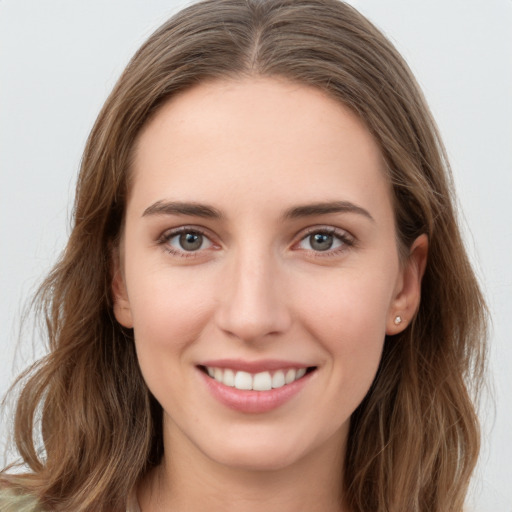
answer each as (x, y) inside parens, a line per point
(265, 301)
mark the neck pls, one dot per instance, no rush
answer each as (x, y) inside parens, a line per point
(187, 480)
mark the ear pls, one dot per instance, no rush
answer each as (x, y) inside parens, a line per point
(408, 291)
(122, 310)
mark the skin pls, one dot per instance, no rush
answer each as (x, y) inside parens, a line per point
(258, 289)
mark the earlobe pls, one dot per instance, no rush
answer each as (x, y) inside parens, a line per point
(122, 310)
(408, 294)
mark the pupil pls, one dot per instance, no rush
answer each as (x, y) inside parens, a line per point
(191, 241)
(321, 241)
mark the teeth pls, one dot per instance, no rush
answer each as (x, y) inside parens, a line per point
(229, 378)
(278, 379)
(290, 376)
(243, 380)
(217, 374)
(300, 373)
(262, 381)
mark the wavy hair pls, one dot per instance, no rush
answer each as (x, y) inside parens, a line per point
(414, 440)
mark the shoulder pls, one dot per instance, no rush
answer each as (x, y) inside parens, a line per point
(13, 502)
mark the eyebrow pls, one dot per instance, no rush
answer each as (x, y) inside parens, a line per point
(209, 212)
(310, 210)
(183, 208)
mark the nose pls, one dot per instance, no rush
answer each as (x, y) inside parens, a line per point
(253, 304)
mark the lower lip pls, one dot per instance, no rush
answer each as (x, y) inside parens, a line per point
(254, 401)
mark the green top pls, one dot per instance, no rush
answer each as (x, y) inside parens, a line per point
(11, 502)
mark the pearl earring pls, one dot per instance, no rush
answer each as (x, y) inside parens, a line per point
(398, 320)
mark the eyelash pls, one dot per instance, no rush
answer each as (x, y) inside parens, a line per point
(167, 236)
(342, 236)
(347, 240)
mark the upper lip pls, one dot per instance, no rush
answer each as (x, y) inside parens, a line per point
(254, 366)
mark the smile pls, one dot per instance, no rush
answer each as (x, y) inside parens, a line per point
(257, 387)
(262, 381)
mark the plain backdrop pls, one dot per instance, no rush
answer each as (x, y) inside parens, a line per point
(60, 58)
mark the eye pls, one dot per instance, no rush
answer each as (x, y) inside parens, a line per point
(324, 240)
(185, 241)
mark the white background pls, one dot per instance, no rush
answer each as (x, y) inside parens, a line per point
(60, 58)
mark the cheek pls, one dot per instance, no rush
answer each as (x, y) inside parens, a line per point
(169, 311)
(169, 314)
(348, 304)
(348, 318)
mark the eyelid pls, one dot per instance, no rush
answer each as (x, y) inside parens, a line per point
(170, 233)
(348, 240)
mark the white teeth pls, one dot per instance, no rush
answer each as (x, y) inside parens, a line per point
(290, 376)
(229, 378)
(243, 380)
(262, 381)
(278, 379)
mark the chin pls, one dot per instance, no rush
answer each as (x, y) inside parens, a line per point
(257, 458)
(255, 451)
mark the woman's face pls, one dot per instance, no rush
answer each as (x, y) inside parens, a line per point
(259, 270)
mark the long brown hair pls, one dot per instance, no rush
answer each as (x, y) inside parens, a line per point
(414, 439)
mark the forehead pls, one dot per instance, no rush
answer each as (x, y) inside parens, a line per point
(232, 137)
